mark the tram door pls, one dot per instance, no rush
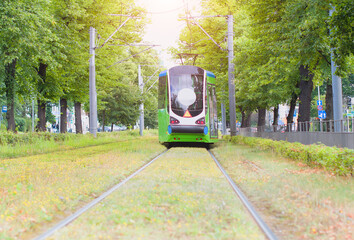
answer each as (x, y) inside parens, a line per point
(213, 115)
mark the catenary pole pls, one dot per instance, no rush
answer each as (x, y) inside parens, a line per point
(230, 48)
(319, 99)
(59, 116)
(223, 118)
(337, 92)
(32, 114)
(231, 76)
(92, 83)
(141, 108)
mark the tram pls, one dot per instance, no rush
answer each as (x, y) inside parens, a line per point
(187, 110)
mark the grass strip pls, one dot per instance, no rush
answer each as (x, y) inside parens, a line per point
(38, 143)
(40, 188)
(298, 201)
(339, 161)
(182, 195)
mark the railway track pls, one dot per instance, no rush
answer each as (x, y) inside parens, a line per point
(265, 229)
(70, 219)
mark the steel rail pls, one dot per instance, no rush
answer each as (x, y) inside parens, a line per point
(72, 217)
(263, 226)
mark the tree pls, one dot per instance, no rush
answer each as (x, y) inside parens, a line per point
(341, 26)
(21, 26)
(122, 105)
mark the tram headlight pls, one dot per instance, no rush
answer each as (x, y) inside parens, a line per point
(169, 129)
(206, 130)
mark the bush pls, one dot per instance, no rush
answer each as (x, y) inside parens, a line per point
(10, 138)
(337, 160)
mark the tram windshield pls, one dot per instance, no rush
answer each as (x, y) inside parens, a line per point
(186, 88)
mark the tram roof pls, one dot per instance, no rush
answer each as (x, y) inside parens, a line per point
(210, 74)
(163, 73)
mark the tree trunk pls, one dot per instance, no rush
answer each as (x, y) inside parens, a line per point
(290, 117)
(275, 118)
(246, 119)
(10, 83)
(243, 119)
(306, 87)
(78, 122)
(112, 127)
(103, 119)
(329, 106)
(63, 115)
(42, 72)
(261, 119)
(41, 115)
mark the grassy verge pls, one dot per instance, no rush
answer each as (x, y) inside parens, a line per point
(18, 145)
(338, 161)
(40, 188)
(298, 201)
(182, 195)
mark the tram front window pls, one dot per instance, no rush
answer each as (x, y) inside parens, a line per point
(186, 94)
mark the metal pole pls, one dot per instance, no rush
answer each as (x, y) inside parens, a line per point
(141, 108)
(92, 78)
(223, 118)
(32, 115)
(337, 92)
(232, 104)
(319, 99)
(59, 117)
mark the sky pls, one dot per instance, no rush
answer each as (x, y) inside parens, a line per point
(165, 27)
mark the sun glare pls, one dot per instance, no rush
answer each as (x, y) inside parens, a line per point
(165, 25)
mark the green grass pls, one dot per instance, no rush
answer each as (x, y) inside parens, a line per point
(37, 143)
(183, 195)
(40, 188)
(297, 200)
(339, 161)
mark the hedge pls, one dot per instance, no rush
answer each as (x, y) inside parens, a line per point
(340, 161)
(10, 138)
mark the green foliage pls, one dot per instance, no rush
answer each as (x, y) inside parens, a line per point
(341, 25)
(337, 160)
(54, 34)
(10, 138)
(122, 104)
(49, 115)
(272, 39)
(348, 85)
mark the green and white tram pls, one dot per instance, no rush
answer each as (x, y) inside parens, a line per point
(187, 106)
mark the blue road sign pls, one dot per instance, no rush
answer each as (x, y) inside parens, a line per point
(322, 114)
(4, 109)
(319, 102)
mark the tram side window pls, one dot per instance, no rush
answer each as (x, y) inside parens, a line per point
(162, 92)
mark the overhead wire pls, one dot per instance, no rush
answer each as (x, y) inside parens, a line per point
(167, 11)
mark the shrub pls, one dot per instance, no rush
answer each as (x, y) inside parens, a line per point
(10, 138)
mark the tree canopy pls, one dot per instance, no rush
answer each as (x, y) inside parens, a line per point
(282, 49)
(44, 55)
